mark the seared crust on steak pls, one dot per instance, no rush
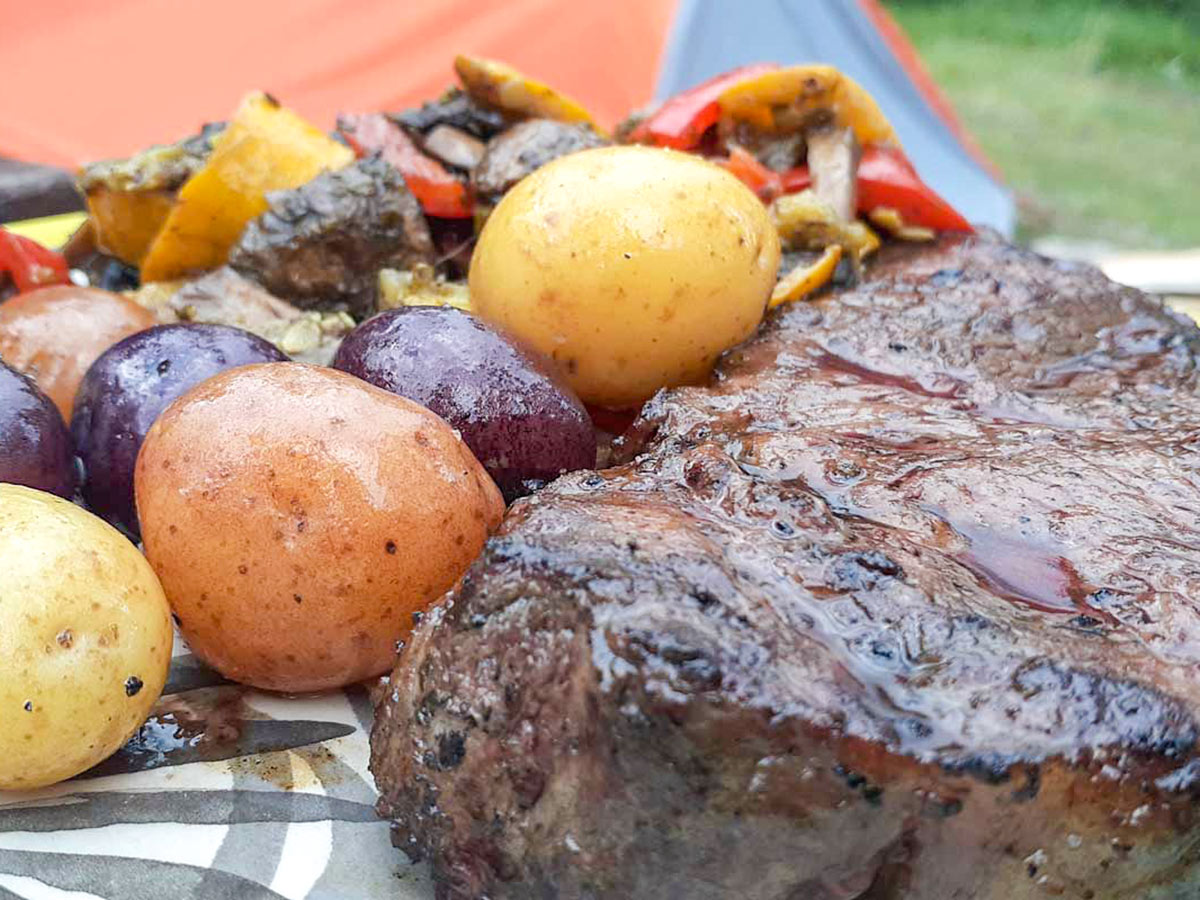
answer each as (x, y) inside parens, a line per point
(901, 605)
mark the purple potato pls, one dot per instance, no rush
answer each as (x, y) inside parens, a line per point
(130, 385)
(514, 412)
(35, 446)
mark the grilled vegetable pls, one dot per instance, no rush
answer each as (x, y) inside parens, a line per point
(129, 199)
(454, 147)
(224, 297)
(682, 120)
(887, 178)
(29, 264)
(790, 99)
(503, 87)
(889, 220)
(457, 109)
(440, 193)
(265, 148)
(806, 222)
(806, 279)
(322, 245)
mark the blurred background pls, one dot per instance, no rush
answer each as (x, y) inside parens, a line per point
(1072, 124)
(1089, 108)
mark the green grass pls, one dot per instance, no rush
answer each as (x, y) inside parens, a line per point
(1090, 109)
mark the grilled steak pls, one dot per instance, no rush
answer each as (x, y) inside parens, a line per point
(322, 244)
(901, 606)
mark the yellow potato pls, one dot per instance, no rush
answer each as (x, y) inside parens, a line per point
(632, 267)
(85, 639)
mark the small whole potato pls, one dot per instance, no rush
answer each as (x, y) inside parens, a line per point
(85, 639)
(298, 517)
(55, 333)
(632, 267)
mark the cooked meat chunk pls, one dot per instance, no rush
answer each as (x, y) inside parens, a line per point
(901, 606)
(223, 297)
(322, 245)
(457, 109)
(525, 147)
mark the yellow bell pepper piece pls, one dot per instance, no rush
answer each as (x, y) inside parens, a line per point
(127, 222)
(265, 148)
(499, 85)
(804, 280)
(782, 100)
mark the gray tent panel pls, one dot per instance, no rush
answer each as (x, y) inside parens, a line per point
(711, 36)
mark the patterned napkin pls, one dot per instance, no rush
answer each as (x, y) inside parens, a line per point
(226, 793)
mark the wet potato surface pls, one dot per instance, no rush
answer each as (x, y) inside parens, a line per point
(86, 639)
(632, 268)
(298, 517)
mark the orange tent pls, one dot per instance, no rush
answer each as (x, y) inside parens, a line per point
(107, 77)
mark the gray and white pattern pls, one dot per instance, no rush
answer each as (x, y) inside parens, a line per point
(224, 793)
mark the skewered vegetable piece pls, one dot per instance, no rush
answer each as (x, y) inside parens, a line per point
(501, 86)
(265, 148)
(438, 190)
(128, 200)
(792, 98)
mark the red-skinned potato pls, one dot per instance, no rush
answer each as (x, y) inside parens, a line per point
(54, 334)
(297, 518)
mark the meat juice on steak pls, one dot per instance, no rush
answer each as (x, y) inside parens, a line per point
(900, 606)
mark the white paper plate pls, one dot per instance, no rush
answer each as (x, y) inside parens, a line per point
(225, 794)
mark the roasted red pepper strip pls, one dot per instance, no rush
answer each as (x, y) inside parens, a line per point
(887, 178)
(437, 190)
(797, 179)
(682, 120)
(29, 264)
(763, 181)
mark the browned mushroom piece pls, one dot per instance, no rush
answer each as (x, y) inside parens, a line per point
(454, 146)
